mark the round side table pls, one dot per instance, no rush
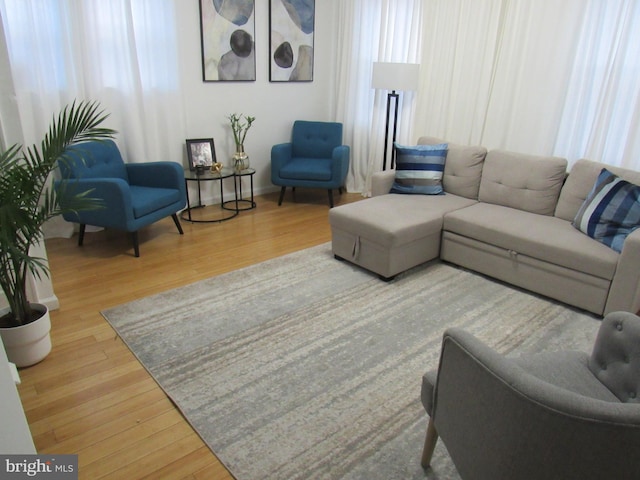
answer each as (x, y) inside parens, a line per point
(241, 203)
(208, 176)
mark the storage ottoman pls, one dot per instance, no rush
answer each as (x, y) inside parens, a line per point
(392, 233)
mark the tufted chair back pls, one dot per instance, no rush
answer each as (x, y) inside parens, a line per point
(315, 139)
(314, 158)
(615, 359)
(96, 159)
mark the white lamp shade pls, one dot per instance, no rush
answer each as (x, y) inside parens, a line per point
(395, 76)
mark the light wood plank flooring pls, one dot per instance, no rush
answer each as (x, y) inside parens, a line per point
(90, 396)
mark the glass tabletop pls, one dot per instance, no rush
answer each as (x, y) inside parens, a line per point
(207, 174)
(246, 171)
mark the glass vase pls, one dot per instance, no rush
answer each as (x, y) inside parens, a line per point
(240, 160)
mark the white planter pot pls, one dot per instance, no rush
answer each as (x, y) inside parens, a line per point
(28, 344)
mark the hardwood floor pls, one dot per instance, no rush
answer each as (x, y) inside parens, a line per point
(90, 396)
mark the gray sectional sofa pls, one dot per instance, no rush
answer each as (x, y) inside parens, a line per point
(506, 215)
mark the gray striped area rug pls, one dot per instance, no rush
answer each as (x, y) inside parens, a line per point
(305, 367)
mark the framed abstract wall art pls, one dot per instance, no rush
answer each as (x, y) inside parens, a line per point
(227, 29)
(291, 32)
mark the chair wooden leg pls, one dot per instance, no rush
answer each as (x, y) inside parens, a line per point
(81, 234)
(429, 444)
(136, 243)
(330, 198)
(282, 190)
(177, 222)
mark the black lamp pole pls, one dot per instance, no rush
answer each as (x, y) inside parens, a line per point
(395, 96)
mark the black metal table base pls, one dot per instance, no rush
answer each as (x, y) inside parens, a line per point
(186, 214)
(240, 203)
(230, 208)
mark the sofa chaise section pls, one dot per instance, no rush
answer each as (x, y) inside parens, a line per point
(390, 233)
(410, 234)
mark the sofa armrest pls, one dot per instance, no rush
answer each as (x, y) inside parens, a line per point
(624, 294)
(381, 182)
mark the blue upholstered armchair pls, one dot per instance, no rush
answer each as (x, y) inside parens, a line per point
(133, 195)
(315, 158)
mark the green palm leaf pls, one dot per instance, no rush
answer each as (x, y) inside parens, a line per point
(27, 199)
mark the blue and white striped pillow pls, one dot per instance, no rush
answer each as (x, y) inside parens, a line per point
(419, 169)
(611, 211)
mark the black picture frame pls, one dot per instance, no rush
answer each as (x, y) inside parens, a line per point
(200, 152)
(227, 35)
(291, 41)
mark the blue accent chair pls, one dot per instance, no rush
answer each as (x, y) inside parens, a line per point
(315, 158)
(133, 195)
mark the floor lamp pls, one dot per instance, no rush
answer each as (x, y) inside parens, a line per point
(394, 76)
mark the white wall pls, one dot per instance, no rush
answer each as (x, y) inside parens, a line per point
(15, 436)
(275, 105)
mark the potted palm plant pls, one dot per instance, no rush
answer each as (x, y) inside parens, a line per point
(27, 201)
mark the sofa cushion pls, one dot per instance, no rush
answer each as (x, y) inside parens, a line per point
(463, 168)
(542, 237)
(526, 182)
(579, 183)
(611, 211)
(419, 169)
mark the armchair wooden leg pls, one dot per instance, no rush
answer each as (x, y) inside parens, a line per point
(81, 234)
(429, 444)
(177, 222)
(282, 190)
(330, 198)
(136, 243)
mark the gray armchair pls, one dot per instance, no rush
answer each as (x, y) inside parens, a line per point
(564, 415)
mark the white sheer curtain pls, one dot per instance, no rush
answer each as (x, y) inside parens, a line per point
(373, 31)
(458, 60)
(601, 117)
(119, 52)
(542, 77)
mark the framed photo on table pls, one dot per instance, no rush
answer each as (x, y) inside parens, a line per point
(201, 153)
